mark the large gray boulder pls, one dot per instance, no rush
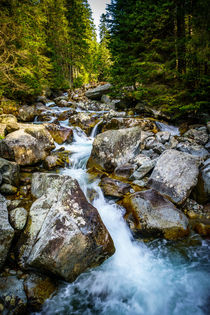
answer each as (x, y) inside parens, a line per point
(65, 235)
(27, 146)
(6, 231)
(201, 192)
(175, 174)
(96, 94)
(114, 148)
(150, 214)
(193, 148)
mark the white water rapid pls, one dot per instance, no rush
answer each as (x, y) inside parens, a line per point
(160, 277)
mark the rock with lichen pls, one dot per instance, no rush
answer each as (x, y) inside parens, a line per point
(64, 235)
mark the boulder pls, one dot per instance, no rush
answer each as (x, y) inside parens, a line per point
(12, 295)
(199, 135)
(151, 214)
(96, 94)
(64, 235)
(8, 119)
(175, 175)
(125, 171)
(144, 169)
(152, 144)
(114, 188)
(194, 149)
(6, 231)
(60, 134)
(85, 121)
(27, 113)
(10, 172)
(201, 192)
(163, 136)
(7, 189)
(18, 218)
(56, 159)
(38, 288)
(119, 123)
(114, 148)
(27, 147)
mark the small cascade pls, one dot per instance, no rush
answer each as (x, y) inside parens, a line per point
(94, 132)
(174, 131)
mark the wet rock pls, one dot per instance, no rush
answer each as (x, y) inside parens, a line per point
(125, 170)
(62, 103)
(114, 148)
(199, 135)
(83, 120)
(207, 146)
(152, 144)
(27, 147)
(151, 112)
(194, 149)
(163, 136)
(112, 113)
(6, 231)
(114, 188)
(143, 170)
(119, 123)
(13, 296)
(202, 229)
(12, 204)
(201, 192)
(38, 288)
(140, 159)
(105, 99)
(7, 189)
(175, 174)
(141, 183)
(42, 99)
(60, 134)
(57, 159)
(152, 214)
(11, 127)
(27, 113)
(18, 218)
(58, 99)
(8, 119)
(65, 235)
(96, 94)
(10, 172)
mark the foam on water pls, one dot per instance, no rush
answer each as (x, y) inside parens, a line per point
(159, 278)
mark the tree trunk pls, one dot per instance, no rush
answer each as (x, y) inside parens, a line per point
(181, 45)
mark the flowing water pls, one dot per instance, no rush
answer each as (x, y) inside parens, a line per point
(159, 277)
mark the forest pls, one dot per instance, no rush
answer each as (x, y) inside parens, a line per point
(104, 157)
(158, 48)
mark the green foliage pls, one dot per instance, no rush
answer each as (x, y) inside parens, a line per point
(162, 43)
(45, 44)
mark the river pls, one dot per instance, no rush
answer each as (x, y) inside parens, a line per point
(158, 277)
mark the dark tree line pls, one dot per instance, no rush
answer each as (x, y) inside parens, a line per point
(161, 48)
